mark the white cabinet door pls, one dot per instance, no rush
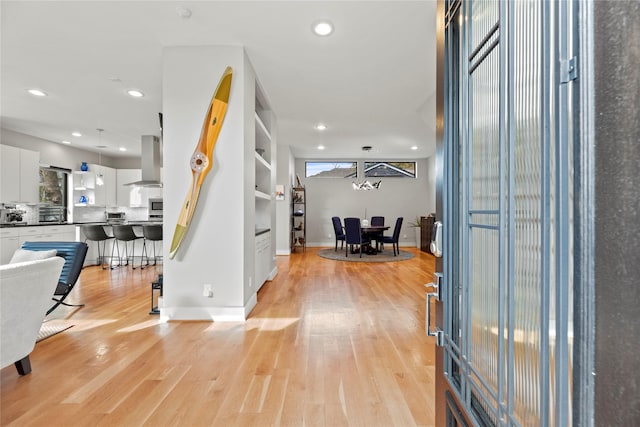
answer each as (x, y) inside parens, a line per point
(105, 193)
(9, 174)
(9, 243)
(110, 186)
(29, 176)
(48, 233)
(263, 258)
(129, 196)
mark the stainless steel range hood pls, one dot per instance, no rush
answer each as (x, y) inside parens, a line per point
(151, 161)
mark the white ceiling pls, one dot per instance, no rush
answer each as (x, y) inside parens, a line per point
(372, 81)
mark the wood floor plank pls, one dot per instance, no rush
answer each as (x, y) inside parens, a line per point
(329, 344)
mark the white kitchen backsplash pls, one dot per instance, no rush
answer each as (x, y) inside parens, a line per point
(95, 214)
(31, 213)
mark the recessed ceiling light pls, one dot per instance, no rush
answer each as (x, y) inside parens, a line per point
(122, 149)
(323, 28)
(321, 126)
(415, 147)
(135, 93)
(320, 147)
(76, 134)
(66, 142)
(36, 92)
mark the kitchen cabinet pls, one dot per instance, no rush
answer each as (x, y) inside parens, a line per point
(48, 233)
(130, 196)
(19, 172)
(105, 194)
(92, 251)
(262, 258)
(12, 238)
(9, 242)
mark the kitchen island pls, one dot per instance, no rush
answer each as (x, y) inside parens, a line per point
(13, 235)
(92, 253)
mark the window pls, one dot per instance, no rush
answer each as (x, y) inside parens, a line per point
(331, 169)
(389, 169)
(53, 194)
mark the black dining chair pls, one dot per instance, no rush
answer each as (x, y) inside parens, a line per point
(394, 238)
(337, 228)
(353, 235)
(377, 221)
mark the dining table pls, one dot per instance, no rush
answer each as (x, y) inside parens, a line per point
(374, 232)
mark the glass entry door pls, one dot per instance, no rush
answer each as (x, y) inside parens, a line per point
(505, 200)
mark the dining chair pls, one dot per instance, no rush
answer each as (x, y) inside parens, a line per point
(339, 231)
(353, 235)
(394, 238)
(377, 221)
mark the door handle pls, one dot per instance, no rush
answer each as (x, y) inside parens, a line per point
(437, 294)
(436, 239)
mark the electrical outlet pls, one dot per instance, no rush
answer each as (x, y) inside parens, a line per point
(207, 290)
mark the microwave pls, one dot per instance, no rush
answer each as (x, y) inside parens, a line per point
(115, 217)
(155, 208)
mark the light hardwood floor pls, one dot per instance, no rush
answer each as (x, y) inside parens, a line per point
(330, 343)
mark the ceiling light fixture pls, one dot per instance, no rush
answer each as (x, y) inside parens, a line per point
(36, 92)
(320, 147)
(415, 147)
(322, 28)
(135, 93)
(321, 126)
(366, 185)
(122, 149)
(66, 142)
(76, 134)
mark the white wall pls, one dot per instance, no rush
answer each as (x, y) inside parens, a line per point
(405, 197)
(285, 170)
(213, 250)
(52, 153)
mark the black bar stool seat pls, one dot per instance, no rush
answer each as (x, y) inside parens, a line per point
(96, 233)
(152, 233)
(125, 233)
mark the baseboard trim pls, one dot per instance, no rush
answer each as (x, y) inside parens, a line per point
(214, 314)
(283, 252)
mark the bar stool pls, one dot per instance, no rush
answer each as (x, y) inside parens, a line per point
(125, 233)
(96, 233)
(153, 233)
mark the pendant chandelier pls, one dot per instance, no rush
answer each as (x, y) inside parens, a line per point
(366, 185)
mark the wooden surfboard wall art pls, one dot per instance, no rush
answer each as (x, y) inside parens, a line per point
(201, 160)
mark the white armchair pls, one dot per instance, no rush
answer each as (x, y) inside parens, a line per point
(25, 295)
